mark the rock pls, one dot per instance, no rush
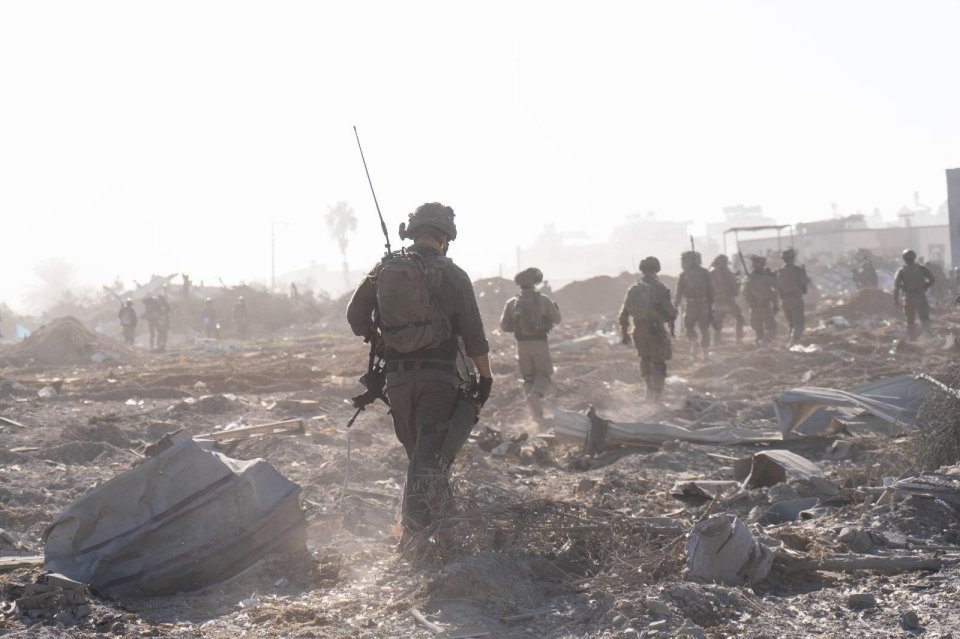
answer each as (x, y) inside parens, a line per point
(862, 601)
(657, 607)
(584, 486)
(909, 620)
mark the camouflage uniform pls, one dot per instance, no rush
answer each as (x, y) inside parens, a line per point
(151, 313)
(761, 297)
(423, 386)
(533, 351)
(913, 280)
(128, 322)
(163, 322)
(696, 286)
(726, 288)
(792, 284)
(648, 304)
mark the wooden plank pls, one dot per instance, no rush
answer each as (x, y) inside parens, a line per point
(13, 563)
(289, 427)
(7, 420)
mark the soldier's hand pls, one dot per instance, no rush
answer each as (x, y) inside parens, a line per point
(484, 386)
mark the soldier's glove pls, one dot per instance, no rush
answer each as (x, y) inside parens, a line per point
(374, 380)
(484, 386)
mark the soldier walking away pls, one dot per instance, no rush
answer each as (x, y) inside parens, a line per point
(151, 313)
(241, 317)
(866, 275)
(530, 316)
(421, 306)
(911, 282)
(726, 288)
(648, 305)
(163, 321)
(128, 321)
(696, 286)
(208, 316)
(760, 293)
(792, 282)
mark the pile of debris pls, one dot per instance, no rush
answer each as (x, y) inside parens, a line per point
(601, 295)
(939, 444)
(65, 341)
(863, 304)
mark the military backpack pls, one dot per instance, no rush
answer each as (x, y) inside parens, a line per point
(528, 320)
(410, 318)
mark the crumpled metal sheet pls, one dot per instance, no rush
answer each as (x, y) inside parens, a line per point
(894, 399)
(722, 549)
(180, 521)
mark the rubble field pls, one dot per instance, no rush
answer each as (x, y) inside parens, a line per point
(547, 540)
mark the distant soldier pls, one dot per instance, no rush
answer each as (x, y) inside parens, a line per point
(866, 275)
(163, 321)
(726, 288)
(912, 281)
(241, 317)
(792, 284)
(211, 327)
(648, 304)
(760, 293)
(530, 316)
(128, 321)
(151, 313)
(940, 291)
(696, 286)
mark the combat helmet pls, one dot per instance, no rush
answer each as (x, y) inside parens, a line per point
(909, 256)
(720, 261)
(528, 277)
(650, 264)
(431, 214)
(788, 255)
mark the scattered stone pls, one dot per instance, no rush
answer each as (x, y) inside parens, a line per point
(909, 620)
(862, 601)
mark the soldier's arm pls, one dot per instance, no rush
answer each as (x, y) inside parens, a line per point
(710, 291)
(667, 310)
(361, 308)
(552, 311)
(681, 286)
(471, 324)
(928, 278)
(897, 285)
(506, 319)
(624, 318)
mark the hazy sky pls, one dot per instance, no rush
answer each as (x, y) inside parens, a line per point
(140, 138)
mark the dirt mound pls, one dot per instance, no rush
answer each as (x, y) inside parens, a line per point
(492, 295)
(66, 340)
(867, 302)
(601, 295)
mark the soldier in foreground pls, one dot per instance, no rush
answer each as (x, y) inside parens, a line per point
(792, 284)
(695, 285)
(128, 321)
(911, 283)
(530, 316)
(726, 288)
(420, 305)
(648, 305)
(761, 296)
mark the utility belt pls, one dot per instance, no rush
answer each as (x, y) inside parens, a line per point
(539, 337)
(408, 365)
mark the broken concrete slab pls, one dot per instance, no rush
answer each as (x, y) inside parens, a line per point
(180, 521)
(773, 467)
(598, 434)
(722, 549)
(810, 410)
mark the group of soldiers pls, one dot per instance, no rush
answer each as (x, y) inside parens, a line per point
(156, 312)
(419, 312)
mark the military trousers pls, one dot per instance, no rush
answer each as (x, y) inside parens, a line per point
(721, 309)
(916, 305)
(697, 316)
(536, 369)
(420, 401)
(794, 312)
(129, 333)
(763, 321)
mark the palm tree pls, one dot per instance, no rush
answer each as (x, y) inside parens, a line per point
(341, 222)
